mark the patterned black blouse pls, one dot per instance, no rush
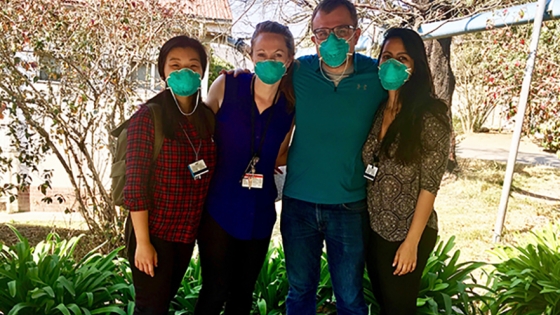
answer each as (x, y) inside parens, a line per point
(392, 197)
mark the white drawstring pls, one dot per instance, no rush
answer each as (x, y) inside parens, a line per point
(179, 107)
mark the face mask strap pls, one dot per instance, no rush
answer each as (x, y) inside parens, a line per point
(179, 107)
(341, 75)
(351, 37)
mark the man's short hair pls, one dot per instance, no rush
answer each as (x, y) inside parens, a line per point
(328, 6)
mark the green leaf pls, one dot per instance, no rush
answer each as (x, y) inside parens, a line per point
(12, 288)
(108, 309)
(67, 285)
(262, 307)
(422, 301)
(63, 309)
(49, 291)
(75, 309)
(90, 299)
(37, 294)
(440, 286)
(447, 302)
(20, 306)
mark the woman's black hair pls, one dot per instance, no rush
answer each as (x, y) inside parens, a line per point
(417, 97)
(203, 118)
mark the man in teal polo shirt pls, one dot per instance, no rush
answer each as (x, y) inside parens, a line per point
(337, 94)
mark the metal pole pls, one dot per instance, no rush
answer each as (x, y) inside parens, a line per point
(506, 17)
(521, 108)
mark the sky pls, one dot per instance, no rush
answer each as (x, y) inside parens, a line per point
(248, 13)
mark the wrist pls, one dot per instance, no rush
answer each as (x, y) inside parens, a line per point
(143, 242)
(412, 240)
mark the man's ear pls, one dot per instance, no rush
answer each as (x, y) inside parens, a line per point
(357, 35)
(314, 40)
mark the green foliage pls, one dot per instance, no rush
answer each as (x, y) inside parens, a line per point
(47, 280)
(217, 65)
(490, 67)
(550, 131)
(186, 297)
(271, 288)
(448, 286)
(527, 281)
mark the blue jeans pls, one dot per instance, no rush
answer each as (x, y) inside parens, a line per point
(304, 227)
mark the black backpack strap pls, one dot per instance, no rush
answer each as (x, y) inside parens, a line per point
(158, 129)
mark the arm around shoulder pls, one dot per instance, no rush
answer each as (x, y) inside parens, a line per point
(216, 93)
(282, 158)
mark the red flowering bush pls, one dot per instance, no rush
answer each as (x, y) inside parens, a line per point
(492, 64)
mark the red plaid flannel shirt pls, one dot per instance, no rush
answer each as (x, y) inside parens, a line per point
(166, 188)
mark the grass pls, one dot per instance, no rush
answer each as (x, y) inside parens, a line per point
(467, 204)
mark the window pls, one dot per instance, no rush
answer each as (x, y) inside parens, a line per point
(143, 75)
(50, 70)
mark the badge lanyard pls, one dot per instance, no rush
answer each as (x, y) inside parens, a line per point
(199, 166)
(372, 168)
(250, 179)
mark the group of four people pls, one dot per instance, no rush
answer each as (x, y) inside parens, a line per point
(369, 149)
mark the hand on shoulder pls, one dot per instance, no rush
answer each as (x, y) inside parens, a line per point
(235, 72)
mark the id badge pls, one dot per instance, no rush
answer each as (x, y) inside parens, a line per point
(252, 181)
(198, 168)
(370, 172)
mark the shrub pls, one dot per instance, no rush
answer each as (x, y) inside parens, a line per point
(271, 288)
(185, 300)
(550, 131)
(47, 280)
(443, 289)
(449, 287)
(216, 65)
(489, 68)
(527, 281)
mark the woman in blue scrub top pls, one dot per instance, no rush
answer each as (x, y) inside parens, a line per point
(254, 119)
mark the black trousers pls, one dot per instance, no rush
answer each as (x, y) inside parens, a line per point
(396, 295)
(153, 295)
(230, 268)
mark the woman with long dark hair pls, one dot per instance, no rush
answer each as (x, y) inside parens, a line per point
(254, 115)
(406, 156)
(165, 198)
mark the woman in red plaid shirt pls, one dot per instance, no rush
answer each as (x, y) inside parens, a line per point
(165, 198)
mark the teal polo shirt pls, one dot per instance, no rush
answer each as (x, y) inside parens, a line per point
(332, 123)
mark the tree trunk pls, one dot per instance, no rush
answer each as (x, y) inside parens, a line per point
(439, 57)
